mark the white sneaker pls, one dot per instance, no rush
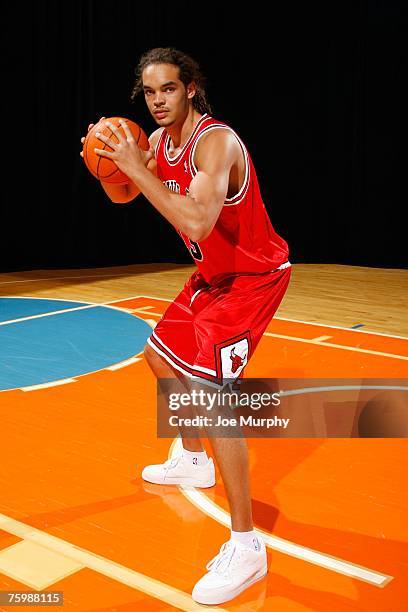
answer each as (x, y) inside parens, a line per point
(233, 570)
(179, 471)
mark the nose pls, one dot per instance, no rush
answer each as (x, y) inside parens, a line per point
(159, 99)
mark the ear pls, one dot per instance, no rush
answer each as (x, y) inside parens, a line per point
(191, 90)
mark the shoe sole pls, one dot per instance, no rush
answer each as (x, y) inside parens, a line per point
(188, 482)
(215, 601)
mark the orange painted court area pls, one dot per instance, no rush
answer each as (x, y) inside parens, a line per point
(71, 458)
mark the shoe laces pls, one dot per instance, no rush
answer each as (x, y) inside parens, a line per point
(221, 562)
(171, 463)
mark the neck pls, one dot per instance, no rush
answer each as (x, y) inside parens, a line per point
(181, 132)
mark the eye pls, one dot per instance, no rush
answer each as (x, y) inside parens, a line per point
(169, 89)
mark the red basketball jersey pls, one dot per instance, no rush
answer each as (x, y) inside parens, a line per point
(243, 240)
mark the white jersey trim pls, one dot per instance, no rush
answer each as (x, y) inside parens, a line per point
(287, 264)
(194, 296)
(238, 197)
(173, 161)
(193, 377)
(193, 367)
(158, 143)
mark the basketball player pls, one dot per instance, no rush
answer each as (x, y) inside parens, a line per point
(206, 187)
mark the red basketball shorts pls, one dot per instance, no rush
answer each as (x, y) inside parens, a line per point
(209, 333)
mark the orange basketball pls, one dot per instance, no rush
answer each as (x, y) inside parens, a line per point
(103, 168)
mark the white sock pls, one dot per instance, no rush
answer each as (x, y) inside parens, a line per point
(247, 538)
(196, 458)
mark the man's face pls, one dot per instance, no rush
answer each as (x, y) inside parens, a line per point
(166, 96)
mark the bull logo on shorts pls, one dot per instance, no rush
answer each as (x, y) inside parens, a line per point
(237, 361)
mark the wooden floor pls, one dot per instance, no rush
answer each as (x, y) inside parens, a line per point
(76, 517)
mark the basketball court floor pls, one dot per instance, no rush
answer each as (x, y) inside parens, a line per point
(78, 424)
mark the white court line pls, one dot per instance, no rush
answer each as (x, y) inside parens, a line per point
(206, 505)
(45, 314)
(151, 322)
(73, 309)
(350, 329)
(123, 364)
(304, 390)
(357, 331)
(337, 346)
(64, 381)
(102, 565)
(55, 383)
(143, 310)
(87, 306)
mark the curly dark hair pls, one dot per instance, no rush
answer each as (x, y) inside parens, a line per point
(189, 71)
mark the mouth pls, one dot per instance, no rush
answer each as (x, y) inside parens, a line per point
(160, 113)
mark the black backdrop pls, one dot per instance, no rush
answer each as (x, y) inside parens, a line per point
(313, 88)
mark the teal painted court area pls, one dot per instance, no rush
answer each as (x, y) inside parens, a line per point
(40, 343)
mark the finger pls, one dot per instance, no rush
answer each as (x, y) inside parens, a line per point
(81, 154)
(83, 139)
(106, 140)
(126, 129)
(90, 126)
(115, 130)
(103, 153)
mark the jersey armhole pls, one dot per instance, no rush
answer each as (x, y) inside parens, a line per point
(156, 147)
(237, 198)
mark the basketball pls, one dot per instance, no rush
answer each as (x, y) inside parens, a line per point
(103, 168)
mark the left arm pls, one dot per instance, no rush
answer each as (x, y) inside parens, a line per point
(196, 214)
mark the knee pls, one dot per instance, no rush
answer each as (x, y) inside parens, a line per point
(150, 355)
(158, 365)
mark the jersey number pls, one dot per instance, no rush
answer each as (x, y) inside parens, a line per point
(195, 250)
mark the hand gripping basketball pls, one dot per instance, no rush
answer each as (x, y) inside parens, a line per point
(112, 147)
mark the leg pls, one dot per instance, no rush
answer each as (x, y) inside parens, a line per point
(161, 369)
(231, 455)
(227, 578)
(230, 573)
